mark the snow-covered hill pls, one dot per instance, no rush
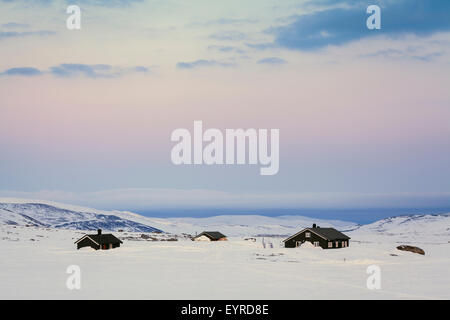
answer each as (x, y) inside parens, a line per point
(425, 227)
(51, 216)
(254, 225)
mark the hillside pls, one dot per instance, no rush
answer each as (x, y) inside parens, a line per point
(49, 216)
(412, 228)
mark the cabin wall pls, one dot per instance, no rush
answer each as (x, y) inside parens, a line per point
(86, 242)
(202, 238)
(293, 243)
(89, 243)
(108, 246)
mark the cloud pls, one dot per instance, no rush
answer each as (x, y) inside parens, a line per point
(222, 48)
(107, 3)
(226, 49)
(141, 69)
(100, 3)
(24, 71)
(15, 25)
(228, 36)
(67, 70)
(272, 60)
(223, 21)
(324, 4)
(339, 26)
(17, 34)
(202, 63)
(425, 52)
(30, 2)
(71, 70)
(429, 56)
(261, 46)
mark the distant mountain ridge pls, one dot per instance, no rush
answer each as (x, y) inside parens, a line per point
(45, 215)
(15, 211)
(62, 216)
(434, 223)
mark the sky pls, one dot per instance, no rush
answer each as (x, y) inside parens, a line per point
(86, 115)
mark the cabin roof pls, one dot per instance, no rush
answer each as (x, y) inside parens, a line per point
(101, 238)
(329, 233)
(213, 235)
(326, 233)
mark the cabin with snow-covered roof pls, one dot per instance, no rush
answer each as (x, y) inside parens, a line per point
(326, 238)
(98, 241)
(210, 236)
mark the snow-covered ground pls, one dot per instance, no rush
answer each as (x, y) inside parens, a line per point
(34, 261)
(237, 269)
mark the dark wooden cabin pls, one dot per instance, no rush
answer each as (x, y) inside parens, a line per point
(98, 241)
(210, 236)
(326, 238)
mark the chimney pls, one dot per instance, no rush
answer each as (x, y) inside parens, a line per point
(99, 232)
(314, 225)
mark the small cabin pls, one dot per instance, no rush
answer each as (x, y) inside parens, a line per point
(326, 238)
(98, 241)
(210, 236)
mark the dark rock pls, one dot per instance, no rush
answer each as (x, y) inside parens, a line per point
(170, 239)
(411, 249)
(148, 238)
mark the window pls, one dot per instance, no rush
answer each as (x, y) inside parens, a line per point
(316, 243)
(344, 244)
(337, 244)
(308, 235)
(330, 244)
